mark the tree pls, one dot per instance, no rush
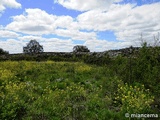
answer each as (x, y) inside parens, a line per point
(2, 52)
(80, 48)
(33, 47)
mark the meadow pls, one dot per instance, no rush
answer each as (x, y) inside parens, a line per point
(48, 90)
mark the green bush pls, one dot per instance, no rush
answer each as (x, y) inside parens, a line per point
(133, 99)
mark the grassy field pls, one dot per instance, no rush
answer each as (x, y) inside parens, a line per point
(68, 91)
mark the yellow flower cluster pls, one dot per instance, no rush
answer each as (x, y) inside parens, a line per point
(83, 68)
(5, 74)
(134, 98)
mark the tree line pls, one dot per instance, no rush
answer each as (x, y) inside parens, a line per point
(33, 47)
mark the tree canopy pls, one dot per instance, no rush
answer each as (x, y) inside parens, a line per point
(80, 48)
(3, 52)
(33, 47)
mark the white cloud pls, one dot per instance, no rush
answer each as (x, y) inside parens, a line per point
(76, 34)
(85, 5)
(103, 45)
(1, 7)
(49, 44)
(99, 20)
(27, 38)
(57, 45)
(38, 22)
(8, 3)
(12, 45)
(127, 21)
(33, 21)
(142, 20)
(8, 34)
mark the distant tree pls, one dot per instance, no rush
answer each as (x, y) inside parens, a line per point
(2, 52)
(80, 48)
(33, 47)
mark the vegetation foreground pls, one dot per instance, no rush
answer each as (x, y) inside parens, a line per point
(49, 90)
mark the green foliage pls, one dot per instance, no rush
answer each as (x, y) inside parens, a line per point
(2, 52)
(133, 99)
(80, 48)
(97, 60)
(146, 62)
(33, 47)
(146, 68)
(49, 90)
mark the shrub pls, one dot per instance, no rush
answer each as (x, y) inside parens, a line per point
(2, 52)
(133, 99)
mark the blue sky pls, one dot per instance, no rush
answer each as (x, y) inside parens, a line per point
(59, 25)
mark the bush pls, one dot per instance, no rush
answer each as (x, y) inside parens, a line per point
(133, 99)
(2, 52)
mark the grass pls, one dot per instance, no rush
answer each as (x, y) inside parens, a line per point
(64, 91)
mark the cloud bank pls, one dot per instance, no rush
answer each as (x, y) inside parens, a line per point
(126, 21)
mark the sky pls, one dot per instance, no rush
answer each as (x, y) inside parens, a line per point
(59, 25)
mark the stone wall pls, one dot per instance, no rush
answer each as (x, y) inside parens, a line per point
(110, 53)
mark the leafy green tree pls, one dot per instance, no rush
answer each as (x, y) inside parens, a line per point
(33, 47)
(2, 52)
(80, 48)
